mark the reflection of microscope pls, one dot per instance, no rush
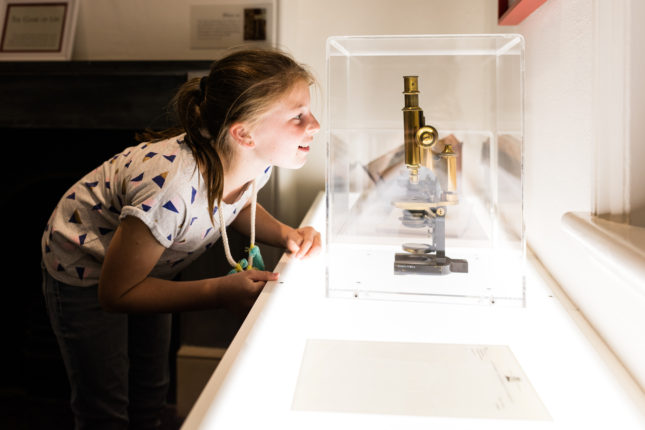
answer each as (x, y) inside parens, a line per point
(431, 186)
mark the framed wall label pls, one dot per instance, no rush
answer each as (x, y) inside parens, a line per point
(226, 25)
(37, 30)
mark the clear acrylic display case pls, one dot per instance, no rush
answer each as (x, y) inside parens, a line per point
(424, 168)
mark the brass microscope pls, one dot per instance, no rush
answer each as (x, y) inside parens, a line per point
(430, 188)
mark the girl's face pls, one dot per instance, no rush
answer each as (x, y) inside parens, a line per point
(283, 134)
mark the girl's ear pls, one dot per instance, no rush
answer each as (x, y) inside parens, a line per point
(240, 134)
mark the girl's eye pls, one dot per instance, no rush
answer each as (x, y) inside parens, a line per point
(298, 117)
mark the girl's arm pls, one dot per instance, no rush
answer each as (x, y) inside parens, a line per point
(301, 242)
(125, 284)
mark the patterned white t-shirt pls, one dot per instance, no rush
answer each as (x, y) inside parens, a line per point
(158, 183)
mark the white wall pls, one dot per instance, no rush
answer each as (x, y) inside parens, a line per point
(138, 30)
(559, 171)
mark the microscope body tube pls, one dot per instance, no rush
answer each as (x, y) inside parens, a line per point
(419, 138)
(412, 121)
(422, 142)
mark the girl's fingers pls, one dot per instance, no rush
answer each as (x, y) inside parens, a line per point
(263, 275)
(292, 246)
(316, 247)
(304, 248)
(311, 245)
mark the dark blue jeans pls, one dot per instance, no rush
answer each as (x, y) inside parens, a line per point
(117, 364)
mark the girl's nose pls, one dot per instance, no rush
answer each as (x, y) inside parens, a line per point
(314, 126)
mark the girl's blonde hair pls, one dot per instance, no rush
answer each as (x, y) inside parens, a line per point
(240, 87)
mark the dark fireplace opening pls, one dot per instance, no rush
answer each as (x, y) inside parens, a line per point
(58, 121)
(41, 165)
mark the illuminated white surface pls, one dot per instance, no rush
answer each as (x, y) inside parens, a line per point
(576, 378)
(412, 378)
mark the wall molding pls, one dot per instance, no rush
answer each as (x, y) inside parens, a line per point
(619, 106)
(611, 109)
(618, 246)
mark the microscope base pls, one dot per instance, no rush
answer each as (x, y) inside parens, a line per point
(426, 264)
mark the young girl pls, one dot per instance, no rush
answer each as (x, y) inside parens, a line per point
(121, 234)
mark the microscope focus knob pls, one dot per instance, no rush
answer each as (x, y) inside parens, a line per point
(427, 136)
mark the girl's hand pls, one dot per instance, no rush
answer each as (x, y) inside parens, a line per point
(239, 291)
(303, 242)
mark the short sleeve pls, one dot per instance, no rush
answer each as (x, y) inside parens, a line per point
(163, 214)
(158, 196)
